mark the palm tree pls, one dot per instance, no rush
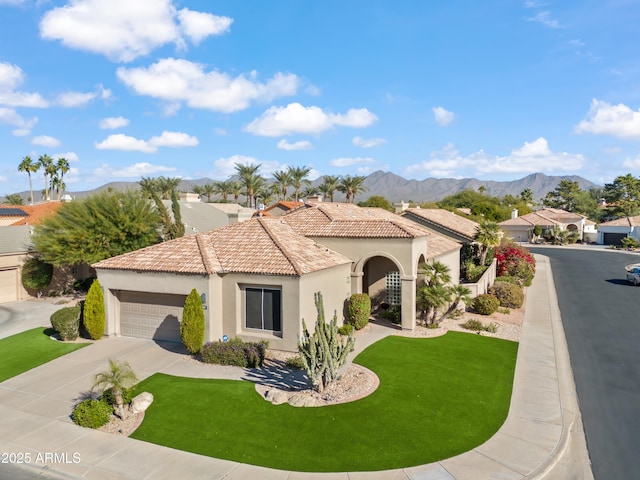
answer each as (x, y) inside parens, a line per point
(149, 186)
(119, 376)
(298, 178)
(351, 186)
(208, 189)
(254, 185)
(488, 234)
(435, 293)
(166, 185)
(57, 184)
(27, 165)
(310, 191)
(46, 162)
(235, 189)
(283, 179)
(329, 185)
(13, 199)
(223, 188)
(198, 190)
(62, 167)
(248, 174)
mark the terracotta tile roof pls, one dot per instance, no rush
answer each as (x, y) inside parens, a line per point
(261, 246)
(545, 217)
(623, 222)
(347, 220)
(35, 213)
(446, 220)
(439, 244)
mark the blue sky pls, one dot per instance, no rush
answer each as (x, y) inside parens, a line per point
(493, 90)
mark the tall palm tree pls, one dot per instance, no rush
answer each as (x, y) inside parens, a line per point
(57, 184)
(248, 174)
(166, 185)
(45, 161)
(62, 167)
(197, 189)
(235, 189)
(223, 188)
(351, 186)
(254, 185)
(148, 186)
(208, 189)
(283, 179)
(28, 165)
(299, 178)
(119, 376)
(310, 191)
(329, 185)
(488, 234)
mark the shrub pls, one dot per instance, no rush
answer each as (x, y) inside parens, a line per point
(127, 395)
(66, 322)
(478, 326)
(516, 261)
(486, 304)
(83, 285)
(346, 329)
(509, 295)
(93, 314)
(508, 279)
(235, 352)
(394, 314)
(359, 310)
(629, 243)
(92, 413)
(295, 362)
(36, 274)
(192, 325)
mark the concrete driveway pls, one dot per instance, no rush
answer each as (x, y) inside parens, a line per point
(16, 317)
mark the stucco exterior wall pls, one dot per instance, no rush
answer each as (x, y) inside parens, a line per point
(518, 233)
(633, 232)
(14, 261)
(452, 260)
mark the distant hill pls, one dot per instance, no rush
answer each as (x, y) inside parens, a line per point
(396, 188)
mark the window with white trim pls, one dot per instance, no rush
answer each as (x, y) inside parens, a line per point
(263, 308)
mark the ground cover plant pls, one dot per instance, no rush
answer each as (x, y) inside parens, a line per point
(27, 350)
(433, 402)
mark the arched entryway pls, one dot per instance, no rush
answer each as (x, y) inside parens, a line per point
(381, 280)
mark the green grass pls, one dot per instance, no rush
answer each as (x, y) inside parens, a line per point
(437, 398)
(27, 350)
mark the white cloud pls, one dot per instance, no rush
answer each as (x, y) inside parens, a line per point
(225, 166)
(136, 170)
(295, 118)
(11, 77)
(442, 116)
(301, 145)
(545, 19)
(532, 157)
(111, 123)
(124, 30)
(11, 117)
(198, 26)
(71, 156)
(350, 161)
(632, 163)
(606, 119)
(180, 81)
(368, 142)
(127, 143)
(45, 141)
(74, 99)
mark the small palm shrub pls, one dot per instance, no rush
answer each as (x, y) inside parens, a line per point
(192, 325)
(509, 295)
(92, 413)
(235, 352)
(66, 322)
(93, 314)
(359, 310)
(127, 395)
(486, 304)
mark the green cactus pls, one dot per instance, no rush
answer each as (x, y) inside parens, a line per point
(324, 352)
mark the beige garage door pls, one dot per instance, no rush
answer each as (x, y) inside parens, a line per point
(8, 285)
(151, 315)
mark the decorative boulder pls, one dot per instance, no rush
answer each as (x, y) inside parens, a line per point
(141, 402)
(276, 396)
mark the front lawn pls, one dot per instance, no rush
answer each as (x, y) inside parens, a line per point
(438, 397)
(27, 350)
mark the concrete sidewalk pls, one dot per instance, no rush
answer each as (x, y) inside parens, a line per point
(542, 437)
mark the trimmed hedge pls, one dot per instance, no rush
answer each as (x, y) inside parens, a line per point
(359, 310)
(36, 274)
(66, 322)
(93, 313)
(509, 294)
(235, 352)
(192, 325)
(486, 304)
(92, 413)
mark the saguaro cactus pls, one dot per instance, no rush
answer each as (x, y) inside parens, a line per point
(324, 352)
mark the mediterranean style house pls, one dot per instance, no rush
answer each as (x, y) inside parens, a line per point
(257, 278)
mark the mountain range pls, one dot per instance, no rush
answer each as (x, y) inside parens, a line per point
(396, 188)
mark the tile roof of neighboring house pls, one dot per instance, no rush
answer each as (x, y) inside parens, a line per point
(281, 205)
(34, 213)
(347, 220)
(15, 239)
(446, 220)
(264, 246)
(623, 222)
(439, 244)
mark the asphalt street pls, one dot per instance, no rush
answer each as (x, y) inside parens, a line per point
(601, 317)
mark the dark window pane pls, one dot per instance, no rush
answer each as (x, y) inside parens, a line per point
(276, 300)
(253, 307)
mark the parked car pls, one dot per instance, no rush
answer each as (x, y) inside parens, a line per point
(633, 273)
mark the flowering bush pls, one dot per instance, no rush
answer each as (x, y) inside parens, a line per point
(515, 261)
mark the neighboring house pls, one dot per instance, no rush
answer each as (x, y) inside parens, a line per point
(520, 228)
(15, 245)
(612, 232)
(27, 214)
(257, 278)
(444, 222)
(199, 216)
(279, 208)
